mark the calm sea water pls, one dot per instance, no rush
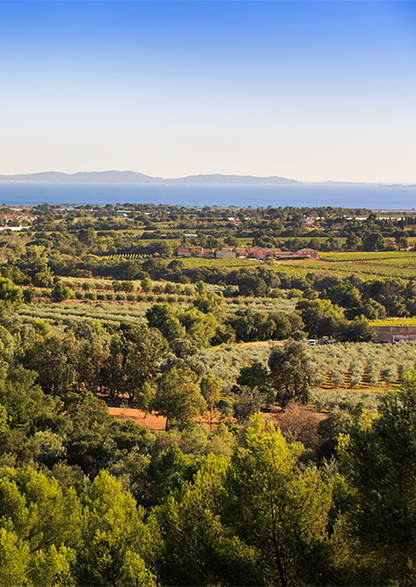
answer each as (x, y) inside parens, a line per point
(348, 196)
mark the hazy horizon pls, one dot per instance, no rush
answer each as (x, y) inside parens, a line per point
(310, 91)
(194, 175)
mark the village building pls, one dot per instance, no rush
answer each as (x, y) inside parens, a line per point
(394, 333)
(311, 252)
(225, 254)
(184, 252)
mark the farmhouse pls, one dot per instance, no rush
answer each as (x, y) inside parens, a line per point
(225, 254)
(394, 333)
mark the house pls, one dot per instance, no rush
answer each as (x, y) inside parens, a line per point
(394, 333)
(262, 253)
(308, 222)
(257, 252)
(310, 252)
(201, 252)
(225, 254)
(241, 252)
(184, 252)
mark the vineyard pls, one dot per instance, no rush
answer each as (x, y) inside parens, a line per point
(379, 264)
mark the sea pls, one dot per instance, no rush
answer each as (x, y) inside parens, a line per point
(368, 196)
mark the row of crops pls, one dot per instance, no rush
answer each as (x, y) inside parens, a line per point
(336, 366)
(362, 365)
(115, 313)
(108, 314)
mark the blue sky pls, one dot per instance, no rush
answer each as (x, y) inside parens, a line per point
(310, 90)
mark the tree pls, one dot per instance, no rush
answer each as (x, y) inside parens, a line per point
(194, 546)
(147, 285)
(252, 285)
(157, 314)
(290, 372)
(54, 357)
(277, 508)
(200, 327)
(110, 552)
(172, 329)
(378, 463)
(61, 292)
(178, 396)
(11, 296)
(353, 241)
(374, 241)
(358, 330)
(127, 286)
(87, 236)
(321, 317)
(210, 303)
(93, 356)
(211, 387)
(14, 559)
(134, 357)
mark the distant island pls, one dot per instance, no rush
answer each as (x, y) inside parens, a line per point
(134, 177)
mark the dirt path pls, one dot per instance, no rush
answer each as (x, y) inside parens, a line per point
(148, 421)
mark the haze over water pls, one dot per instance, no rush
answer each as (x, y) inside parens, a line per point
(310, 195)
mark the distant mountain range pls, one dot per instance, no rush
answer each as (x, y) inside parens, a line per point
(133, 177)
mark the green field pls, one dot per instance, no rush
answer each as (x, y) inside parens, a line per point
(377, 264)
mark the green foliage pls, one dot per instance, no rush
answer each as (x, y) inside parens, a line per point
(279, 510)
(194, 546)
(14, 559)
(378, 462)
(291, 372)
(112, 537)
(211, 387)
(134, 358)
(178, 397)
(61, 292)
(11, 296)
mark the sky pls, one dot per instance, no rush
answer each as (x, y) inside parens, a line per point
(313, 91)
